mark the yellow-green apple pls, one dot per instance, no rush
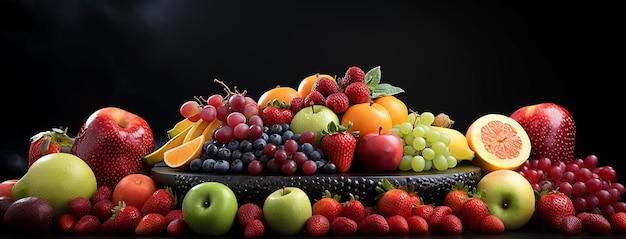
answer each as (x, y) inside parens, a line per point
(380, 152)
(113, 142)
(6, 186)
(509, 196)
(551, 129)
(286, 211)
(313, 118)
(210, 208)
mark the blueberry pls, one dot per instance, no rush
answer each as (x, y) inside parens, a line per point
(235, 154)
(296, 137)
(247, 157)
(285, 126)
(276, 129)
(221, 167)
(329, 167)
(288, 134)
(223, 154)
(315, 155)
(259, 143)
(245, 145)
(195, 166)
(210, 150)
(233, 145)
(265, 136)
(275, 139)
(207, 165)
(236, 166)
(307, 148)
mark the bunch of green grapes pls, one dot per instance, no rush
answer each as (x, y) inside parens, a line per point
(424, 149)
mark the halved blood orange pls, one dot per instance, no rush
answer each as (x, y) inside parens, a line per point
(181, 156)
(499, 142)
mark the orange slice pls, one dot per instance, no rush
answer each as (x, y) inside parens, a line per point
(499, 142)
(181, 156)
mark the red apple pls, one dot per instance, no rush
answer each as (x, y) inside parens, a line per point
(380, 152)
(6, 186)
(551, 130)
(113, 142)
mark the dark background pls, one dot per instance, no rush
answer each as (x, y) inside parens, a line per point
(62, 60)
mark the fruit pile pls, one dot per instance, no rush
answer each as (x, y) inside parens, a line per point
(100, 182)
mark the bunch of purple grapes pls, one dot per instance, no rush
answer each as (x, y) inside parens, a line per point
(592, 188)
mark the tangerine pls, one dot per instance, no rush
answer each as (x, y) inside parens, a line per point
(305, 86)
(367, 118)
(181, 156)
(499, 142)
(282, 93)
(396, 107)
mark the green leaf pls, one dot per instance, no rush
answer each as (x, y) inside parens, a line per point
(384, 89)
(373, 76)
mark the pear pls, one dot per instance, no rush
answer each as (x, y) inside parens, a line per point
(57, 178)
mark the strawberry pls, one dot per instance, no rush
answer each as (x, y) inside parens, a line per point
(108, 226)
(102, 193)
(339, 144)
(618, 222)
(174, 214)
(456, 196)
(296, 104)
(254, 229)
(439, 212)
(353, 74)
(423, 211)
(338, 102)
(551, 129)
(594, 223)
(491, 224)
(552, 207)
(370, 210)
(325, 86)
(317, 225)
(472, 212)
(126, 218)
(161, 201)
(314, 98)
(358, 93)
(375, 224)
(65, 223)
(398, 225)
(451, 224)
(178, 227)
(353, 209)
(248, 212)
(151, 224)
(343, 226)
(103, 209)
(329, 206)
(276, 112)
(393, 200)
(417, 225)
(88, 224)
(79, 207)
(47, 142)
(571, 225)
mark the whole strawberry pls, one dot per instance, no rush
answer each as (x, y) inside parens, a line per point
(393, 200)
(358, 93)
(151, 224)
(126, 218)
(47, 142)
(491, 224)
(353, 74)
(317, 225)
(456, 196)
(343, 226)
(472, 212)
(87, 224)
(551, 129)
(338, 102)
(325, 86)
(552, 207)
(248, 212)
(329, 206)
(353, 209)
(374, 225)
(161, 201)
(277, 112)
(398, 225)
(593, 223)
(338, 144)
(618, 222)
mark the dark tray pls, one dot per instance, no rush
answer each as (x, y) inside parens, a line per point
(431, 186)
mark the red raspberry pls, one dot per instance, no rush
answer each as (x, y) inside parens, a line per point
(358, 92)
(314, 98)
(353, 74)
(325, 86)
(296, 104)
(338, 102)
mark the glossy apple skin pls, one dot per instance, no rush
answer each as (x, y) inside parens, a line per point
(6, 186)
(286, 211)
(508, 187)
(380, 152)
(209, 208)
(313, 118)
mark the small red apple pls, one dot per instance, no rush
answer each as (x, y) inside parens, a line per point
(113, 142)
(551, 130)
(380, 152)
(6, 186)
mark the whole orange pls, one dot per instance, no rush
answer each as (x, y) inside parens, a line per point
(134, 189)
(396, 107)
(282, 93)
(307, 83)
(367, 118)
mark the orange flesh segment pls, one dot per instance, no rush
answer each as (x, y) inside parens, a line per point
(501, 140)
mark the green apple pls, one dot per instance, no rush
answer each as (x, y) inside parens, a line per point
(313, 118)
(209, 208)
(509, 196)
(286, 210)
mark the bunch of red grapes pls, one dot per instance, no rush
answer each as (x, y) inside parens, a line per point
(592, 188)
